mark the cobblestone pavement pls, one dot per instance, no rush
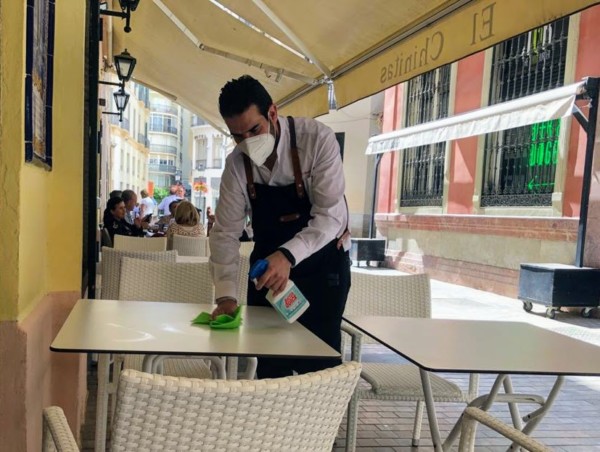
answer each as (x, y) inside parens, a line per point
(571, 425)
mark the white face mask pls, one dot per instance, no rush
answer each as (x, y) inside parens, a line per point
(259, 148)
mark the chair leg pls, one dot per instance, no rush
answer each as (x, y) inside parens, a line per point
(351, 421)
(418, 422)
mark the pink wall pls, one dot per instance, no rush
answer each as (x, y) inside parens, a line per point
(588, 64)
(32, 377)
(463, 158)
(388, 169)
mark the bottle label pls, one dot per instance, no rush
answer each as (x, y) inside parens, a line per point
(291, 302)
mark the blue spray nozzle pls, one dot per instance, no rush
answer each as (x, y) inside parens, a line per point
(259, 267)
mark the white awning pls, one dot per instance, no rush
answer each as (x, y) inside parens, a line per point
(544, 106)
(188, 49)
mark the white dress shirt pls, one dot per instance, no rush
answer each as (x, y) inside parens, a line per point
(164, 204)
(323, 177)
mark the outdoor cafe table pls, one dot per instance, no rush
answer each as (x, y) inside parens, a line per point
(488, 347)
(156, 328)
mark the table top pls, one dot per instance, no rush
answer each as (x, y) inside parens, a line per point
(143, 327)
(478, 346)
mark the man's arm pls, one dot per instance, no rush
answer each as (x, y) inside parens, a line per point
(223, 240)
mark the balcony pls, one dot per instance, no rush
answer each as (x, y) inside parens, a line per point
(143, 139)
(163, 148)
(159, 168)
(216, 164)
(161, 128)
(162, 108)
(197, 121)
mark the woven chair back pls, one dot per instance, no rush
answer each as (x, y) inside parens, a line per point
(111, 267)
(190, 246)
(143, 280)
(301, 412)
(126, 243)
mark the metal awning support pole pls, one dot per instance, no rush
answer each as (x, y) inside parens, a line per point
(374, 199)
(590, 128)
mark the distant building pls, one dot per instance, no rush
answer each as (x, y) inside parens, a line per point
(209, 148)
(164, 133)
(125, 151)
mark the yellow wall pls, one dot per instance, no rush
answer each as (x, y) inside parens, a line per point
(40, 211)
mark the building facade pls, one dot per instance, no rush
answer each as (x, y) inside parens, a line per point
(472, 210)
(209, 148)
(126, 145)
(164, 134)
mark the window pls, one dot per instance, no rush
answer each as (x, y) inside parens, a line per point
(423, 166)
(520, 164)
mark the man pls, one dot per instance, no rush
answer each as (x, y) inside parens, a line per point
(288, 173)
(146, 204)
(130, 199)
(164, 204)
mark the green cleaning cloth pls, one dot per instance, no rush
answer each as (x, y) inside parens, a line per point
(222, 322)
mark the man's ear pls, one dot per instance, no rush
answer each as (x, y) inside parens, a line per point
(273, 115)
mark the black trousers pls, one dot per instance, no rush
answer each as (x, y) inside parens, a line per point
(324, 279)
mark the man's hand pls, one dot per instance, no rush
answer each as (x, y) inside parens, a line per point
(277, 275)
(226, 305)
(137, 222)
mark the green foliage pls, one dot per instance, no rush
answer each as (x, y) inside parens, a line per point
(160, 193)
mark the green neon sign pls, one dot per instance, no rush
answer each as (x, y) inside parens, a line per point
(543, 151)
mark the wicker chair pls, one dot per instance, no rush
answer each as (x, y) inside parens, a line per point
(400, 296)
(155, 412)
(246, 248)
(473, 415)
(190, 246)
(57, 436)
(126, 243)
(105, 238)
(111, 267)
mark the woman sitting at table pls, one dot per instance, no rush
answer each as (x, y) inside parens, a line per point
(115, 223)
(187, 223)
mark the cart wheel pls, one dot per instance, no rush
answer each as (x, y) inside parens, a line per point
(550, 313)
(586, 313)
(527, 306)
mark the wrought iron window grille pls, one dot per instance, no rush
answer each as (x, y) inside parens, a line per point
(520, 164)
(423, 166)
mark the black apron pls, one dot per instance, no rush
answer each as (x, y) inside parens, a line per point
(278, 214)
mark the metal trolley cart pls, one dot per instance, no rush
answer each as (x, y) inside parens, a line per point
(558, 285)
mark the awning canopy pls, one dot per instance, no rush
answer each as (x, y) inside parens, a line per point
(544, 106)
(189, 49)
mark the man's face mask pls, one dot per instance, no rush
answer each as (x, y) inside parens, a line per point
(259, 147)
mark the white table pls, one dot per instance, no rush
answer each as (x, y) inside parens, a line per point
(492, 347)
(155, 328)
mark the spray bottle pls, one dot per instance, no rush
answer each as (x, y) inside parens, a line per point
(290, 302)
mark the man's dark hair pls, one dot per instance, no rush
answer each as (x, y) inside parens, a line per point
(128, 195)
(115, 194)
(239, 94)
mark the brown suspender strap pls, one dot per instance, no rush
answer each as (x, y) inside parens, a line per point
(296, 160)
(249, 177)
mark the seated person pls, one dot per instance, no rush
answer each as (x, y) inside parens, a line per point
(187, 223)
(114, 220)
(167, 220)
